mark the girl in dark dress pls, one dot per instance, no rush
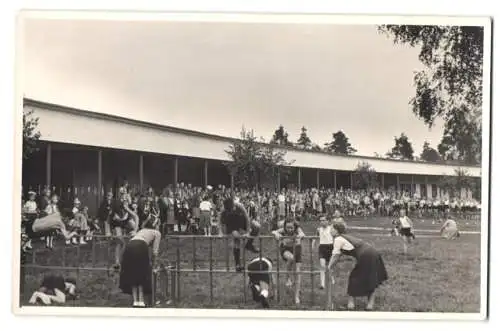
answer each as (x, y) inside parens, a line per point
(369, 271)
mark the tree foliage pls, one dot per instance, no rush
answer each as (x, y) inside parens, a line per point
(450, 86)
(429, 154)
(461, 180)
(365, 176)
(31, 135)
(280, 137)
(304, 141)
(402, 149)
(462, 139)
(254, 163)
(340, 144)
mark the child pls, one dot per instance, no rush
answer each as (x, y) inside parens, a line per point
(291, 236)
(406, 230)
(325, 247)
(54, 289)
(260, 279)
(30, 213)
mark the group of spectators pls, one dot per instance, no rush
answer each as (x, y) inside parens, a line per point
(185, 208)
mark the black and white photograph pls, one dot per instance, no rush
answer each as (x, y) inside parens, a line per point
(263, 165)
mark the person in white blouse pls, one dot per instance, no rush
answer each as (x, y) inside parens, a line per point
(325, 247)
(449, 229)
(405, 227)
(369, 272)
(136, 264)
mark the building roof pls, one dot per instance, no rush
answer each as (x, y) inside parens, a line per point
(47, 134)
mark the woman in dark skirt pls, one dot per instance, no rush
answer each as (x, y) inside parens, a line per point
(369, 271)
(136, 266)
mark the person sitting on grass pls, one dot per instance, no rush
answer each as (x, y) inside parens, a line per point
(369, 271)
(291, 235)
(449, 229)
(260, 279)
(54, 289)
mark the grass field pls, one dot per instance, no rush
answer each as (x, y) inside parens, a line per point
(436, 276)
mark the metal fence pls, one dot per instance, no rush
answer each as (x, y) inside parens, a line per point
(185, 259)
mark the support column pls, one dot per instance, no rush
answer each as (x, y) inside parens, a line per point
(397, 183)
(317, 179)
(99, 177)
(232, 181)
(299, 179)
(141, 172)
(351, 180)
(383, 181)
(279, 180)
(412, 186)
(205, 173)
(335, 180)
(176, 171)
(48, 170)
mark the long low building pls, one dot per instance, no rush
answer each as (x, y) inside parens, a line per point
(85, 150)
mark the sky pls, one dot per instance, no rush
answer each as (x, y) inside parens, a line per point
(216, 77)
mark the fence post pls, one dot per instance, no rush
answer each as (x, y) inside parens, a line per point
(312, 271)
(93, 251)
(328, 289)
(278, 271)
(244, 265)
(211, 270)
(154, 274)
(226, 240)
(178, 280)
(194, 253)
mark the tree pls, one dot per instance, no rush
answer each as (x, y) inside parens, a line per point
(340, 144)
(461, 140)
(316, 148)
(254, 163)
(280, 137)
(429, 154)
(31, 135)
(304, 141)
(364, 177)
(402, 149)
(461, 180)
(450, 86)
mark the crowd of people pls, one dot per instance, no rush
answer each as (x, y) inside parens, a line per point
(147, 216)
(186, 208)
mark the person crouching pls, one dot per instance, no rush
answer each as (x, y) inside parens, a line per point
(260, 279)
(136, 265)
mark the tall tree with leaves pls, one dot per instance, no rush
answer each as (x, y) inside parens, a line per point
(450, 87)
(364, 177)
(304, 141)
(402, 149)
(254, 163)
(316, 148)
(429, 154)
(461, 140)
(462, 180)
(280, 137)
(31, 135)
(340, 144)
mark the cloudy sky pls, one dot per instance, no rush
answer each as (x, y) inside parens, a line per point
(217, 77)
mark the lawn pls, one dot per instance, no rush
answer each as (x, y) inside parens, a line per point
(436, 276)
